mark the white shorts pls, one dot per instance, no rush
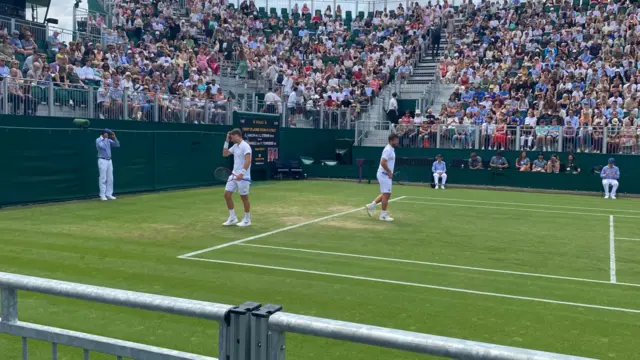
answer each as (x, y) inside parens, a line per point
(385, 183)
(241, 185)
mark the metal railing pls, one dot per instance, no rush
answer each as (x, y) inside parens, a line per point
(354, 6)
(250, 331)
(41, 32)
(454, 135)
(46, 98)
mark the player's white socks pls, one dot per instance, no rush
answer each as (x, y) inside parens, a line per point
(232, 214)
(383, 214)
(247, 216)
(373, 204)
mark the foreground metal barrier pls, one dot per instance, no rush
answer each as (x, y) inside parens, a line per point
(250, 331)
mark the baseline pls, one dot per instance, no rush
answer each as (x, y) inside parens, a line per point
(440, 265)
(628, 239)
(514, 208)
(521, 204)
(188, 255)
(394, 282)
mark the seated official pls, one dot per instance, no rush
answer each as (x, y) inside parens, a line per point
(553, 165)
(571, 166)
(498, 162)
(523, 163)
(475, 162)
(610, 175)
(539, 164)
(439, 170)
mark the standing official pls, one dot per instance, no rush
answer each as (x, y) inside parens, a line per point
(610, 175)
(105, 166)
(439, 170)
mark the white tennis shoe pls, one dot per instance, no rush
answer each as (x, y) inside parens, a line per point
(386, 218)
(244, 222)
(370, 209)
(230, 221)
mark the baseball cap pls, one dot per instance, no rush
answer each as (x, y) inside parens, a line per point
(107, 131)
(612, 160)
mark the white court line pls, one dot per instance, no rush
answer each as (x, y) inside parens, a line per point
(421, 285)
(276, 231)
(612, 251)
(629, 239)
(515, 208)
(438, 264)
(521, 204)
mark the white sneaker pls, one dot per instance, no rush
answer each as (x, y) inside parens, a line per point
(369, 209)
(437, 187)
(103, 198)
(230, 221)
(111, 197)
(244, 223)
(442, 187)
(606, 196)
(386, 218)
(613, 197)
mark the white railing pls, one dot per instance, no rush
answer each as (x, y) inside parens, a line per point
(251, 331)
(552, 138)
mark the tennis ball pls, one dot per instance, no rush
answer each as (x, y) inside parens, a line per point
(81, 122)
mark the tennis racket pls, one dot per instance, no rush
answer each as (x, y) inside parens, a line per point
(223, 175)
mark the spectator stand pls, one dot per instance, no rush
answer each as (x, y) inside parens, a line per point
(557, 90)
(48, 96)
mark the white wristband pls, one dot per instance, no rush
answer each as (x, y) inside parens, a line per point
(226, 144)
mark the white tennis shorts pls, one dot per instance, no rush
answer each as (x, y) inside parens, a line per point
(385, 183)
(242, 186)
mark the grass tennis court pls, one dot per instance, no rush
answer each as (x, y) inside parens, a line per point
(519, 269)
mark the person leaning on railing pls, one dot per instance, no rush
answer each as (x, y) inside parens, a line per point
(17, 97)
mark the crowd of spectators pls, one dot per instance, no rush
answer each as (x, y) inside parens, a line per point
(522, 163)
(555, 69)
(153, 53)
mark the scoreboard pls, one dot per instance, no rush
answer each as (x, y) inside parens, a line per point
(263, 134)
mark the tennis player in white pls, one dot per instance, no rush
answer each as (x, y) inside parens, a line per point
(241, 177)
(385, 176)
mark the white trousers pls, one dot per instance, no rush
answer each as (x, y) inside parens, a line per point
(526, 141)
(442, 176)
(606, 183)
(105, 181)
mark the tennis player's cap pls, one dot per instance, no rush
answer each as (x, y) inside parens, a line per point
(107, 131)
(612, 160)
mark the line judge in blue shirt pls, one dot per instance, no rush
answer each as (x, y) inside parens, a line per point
(610, 175)
(439, 170)
(104, 143)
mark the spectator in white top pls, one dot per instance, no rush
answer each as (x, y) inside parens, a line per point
(392, 111)
(292, 102)
(272, 102)
(418, 119)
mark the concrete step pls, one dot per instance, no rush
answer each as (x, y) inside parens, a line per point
(424, 73)
(419, 81)
(426, 66)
